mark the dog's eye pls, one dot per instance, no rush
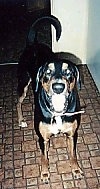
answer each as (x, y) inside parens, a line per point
(66, 72)
(48, 71)
(68, 75)
(47, 75)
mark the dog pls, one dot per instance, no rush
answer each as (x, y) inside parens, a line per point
(55, 82)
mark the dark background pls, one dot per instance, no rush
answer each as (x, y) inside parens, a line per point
(16, 17)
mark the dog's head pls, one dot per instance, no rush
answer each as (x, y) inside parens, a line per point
(59, 79)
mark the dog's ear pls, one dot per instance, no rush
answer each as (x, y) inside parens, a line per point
(78, 78)
(38, 77)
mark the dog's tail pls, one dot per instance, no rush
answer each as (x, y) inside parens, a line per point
(32, 36)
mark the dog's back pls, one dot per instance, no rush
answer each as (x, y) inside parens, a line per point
(35, 54)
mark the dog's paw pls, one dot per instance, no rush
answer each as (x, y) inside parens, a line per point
(45, 176)
(77, 173)
(22, 124)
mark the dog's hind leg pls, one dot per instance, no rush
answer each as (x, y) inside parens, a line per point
(22, 96)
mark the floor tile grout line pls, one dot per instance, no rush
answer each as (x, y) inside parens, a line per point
(87, 145)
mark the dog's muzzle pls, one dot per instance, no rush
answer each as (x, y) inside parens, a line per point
(59, 96)
(58, 87)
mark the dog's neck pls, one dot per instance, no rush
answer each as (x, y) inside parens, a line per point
(46, 108)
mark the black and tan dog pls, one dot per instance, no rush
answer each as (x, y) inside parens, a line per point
(57, 108)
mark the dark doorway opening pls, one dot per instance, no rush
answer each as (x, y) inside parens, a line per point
(16, 18)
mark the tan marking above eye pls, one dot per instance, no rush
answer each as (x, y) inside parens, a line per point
(64, 66)
(51, 66)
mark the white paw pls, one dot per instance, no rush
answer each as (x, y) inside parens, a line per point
(45, 176)
(22, 124)
(77, 173)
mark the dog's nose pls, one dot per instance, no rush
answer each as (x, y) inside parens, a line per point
(58, 87)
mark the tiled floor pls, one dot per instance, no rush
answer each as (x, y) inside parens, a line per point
(19, 151)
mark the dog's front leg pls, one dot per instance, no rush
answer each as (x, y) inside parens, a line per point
(45, 175)
(73, 159)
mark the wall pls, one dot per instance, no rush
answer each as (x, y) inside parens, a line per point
(73, 17)
(93, 40)
(80, 22)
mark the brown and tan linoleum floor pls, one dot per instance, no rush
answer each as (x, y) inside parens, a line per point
(19, 150)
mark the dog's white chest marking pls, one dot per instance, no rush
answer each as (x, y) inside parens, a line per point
(55, 128)
(58, 102)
